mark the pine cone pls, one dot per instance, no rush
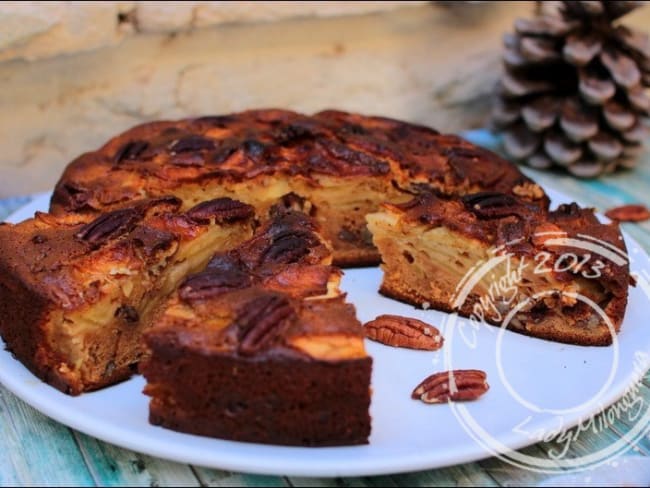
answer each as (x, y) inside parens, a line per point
(574, 89)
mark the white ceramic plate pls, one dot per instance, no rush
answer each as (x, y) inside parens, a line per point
(407, 435)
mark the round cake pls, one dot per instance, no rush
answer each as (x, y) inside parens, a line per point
(213, 238)
(344, 164)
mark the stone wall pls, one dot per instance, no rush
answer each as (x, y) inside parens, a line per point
(37, 30)
(430, 63)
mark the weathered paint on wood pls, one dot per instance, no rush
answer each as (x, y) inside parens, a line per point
(470, 474)
(40, 450)
(215, 477)
(506, 474)
(625, 419)
(110, 465)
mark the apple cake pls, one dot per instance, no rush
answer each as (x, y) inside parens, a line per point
(262, 347)
(77, 290)
(559, 275)
(249, 212)
(344, 164)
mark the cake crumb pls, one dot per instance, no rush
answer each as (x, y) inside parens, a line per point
(426, 305)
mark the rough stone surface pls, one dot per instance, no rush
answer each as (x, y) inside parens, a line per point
(36, 30)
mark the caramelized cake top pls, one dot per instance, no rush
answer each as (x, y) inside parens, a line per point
(274, 294)
(68, 258)
(157, 157)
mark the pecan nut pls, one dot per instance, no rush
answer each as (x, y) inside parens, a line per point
(223, 153)
(216, 120)
(397, 331)
(212, 283)
(71, 197)
(457, 385)
(223, 210)
(355, 161)
(152, 240)
(491, 205)
(225, 262)
(629, 213)
(187, 158)
(166, 203)
(109, 226)
(191, 143)
(290, 238)
(254, 148)
(261, 321)
(288, 248)
(131, 150)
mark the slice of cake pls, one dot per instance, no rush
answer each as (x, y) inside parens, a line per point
(262, 347)
(493, 257)
(77, 291)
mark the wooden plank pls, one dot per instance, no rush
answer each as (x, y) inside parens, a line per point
(462, 475)
(37, 450)
(315, 482)
(113, 466)
(369, 481)
(625, 420)
(9, 443)
(470, 474)
(640, 447)
(582, 442)
(216, 477)
(354, 481)
(507, 474)
(592, 440)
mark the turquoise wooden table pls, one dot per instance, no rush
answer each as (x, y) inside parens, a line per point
(35, 450)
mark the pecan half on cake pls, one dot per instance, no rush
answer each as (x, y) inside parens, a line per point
(262, 347)
(76, 291)
(344, 164)
(559, 275)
